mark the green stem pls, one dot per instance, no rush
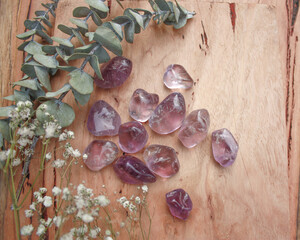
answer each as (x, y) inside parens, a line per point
(140, 222)
(15, 203)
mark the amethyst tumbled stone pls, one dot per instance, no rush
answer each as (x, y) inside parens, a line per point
(99, 154)
(132, 137)
(132, 170)
(179, 203)
(224, 147)
(168, 115)
(177, 77)
(114, 73)
(103, 120)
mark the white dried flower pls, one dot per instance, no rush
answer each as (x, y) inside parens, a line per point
(28, 104)
(48, 156)
(71, 134)
(43, 190)
(16, 162)
(3, 156)
(24, 141)
(11, 153)
(32, 206)
(48, 223)
(108, 238)
(27, 230)
(87, 218)
(145, 188)
(47, 201)
(41, 230)
(56, 191)
(93, 233)
(122, 200)
(126, 204)
(57, 221)
(66, 194)
(122, 224)
(107, 232)
(25, 132)
(84, 156)
(28, 213)
(50, 129)
(102, 200)
(137, 200)
(62, 137)
(58, 163)
(132, 207)
(76, 153)
(67, 236)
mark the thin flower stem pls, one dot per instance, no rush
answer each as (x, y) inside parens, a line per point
(140, 222)
(14, 200)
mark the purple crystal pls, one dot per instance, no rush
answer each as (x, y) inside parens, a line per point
(103, 120)
(132, 170)
(161, 160)
(169, 114)
(177, 77)
(224, 147)
(194, 128)
(132, 137)
(142, 105)
(114, 73)
(100, 153)
(179, 203)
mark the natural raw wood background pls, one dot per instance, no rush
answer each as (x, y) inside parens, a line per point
(246, 76)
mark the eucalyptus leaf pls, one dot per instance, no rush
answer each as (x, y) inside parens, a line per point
(28, 68)
(95, 65)
(26, 35)
(81, 81)
(79, 23)
(65, 29)
(78, 35)
(29, 24)
(1, 139)
(42, 13)
(21, 96)
(31, 84)
(4, 111)
(138, 18)
(10, 98)
(98, 5)
(122, 20)
(116, 28)
(63, 41)
(82, 99)
(65, 88)
(181, 21)
(81, 12)
(62, 112)
(85, 48)
(47, 61)
(102, 55)
(34, 48)
(176, 11)
(43, 77)
(75, 56)
(49, 49)
(44, 36)
(5, 129)
(129, 32)
(47, 22)
(35, 94)
(101, 14)
(61, 52)
(137, 28)
(23, 45)
(90, 35)
(96, 18)
(108, 39)
(163, 5)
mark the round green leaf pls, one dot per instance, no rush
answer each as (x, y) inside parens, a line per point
(98, 5)
(79, 23)
(63, 41)
(47, 61)
(63, 112)
(81, 81)
(81, 12)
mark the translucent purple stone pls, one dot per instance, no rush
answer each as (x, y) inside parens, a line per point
(161, 160)
(177, 77)
(168, 115)
(114, 73)
(142, 105)
(224, 147)
(194, 128)
(179, 203)
(132, 170)
(100, 153)
(103, 120)
(132, 137)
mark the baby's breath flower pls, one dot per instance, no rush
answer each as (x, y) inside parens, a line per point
(25, 132)
(126, 204)
(47, 201)
(132, 207)
(84, 156)
(70, 134)
(48, 223)
(58, 163)
(28, 213)
(27, 230)
(32, 206)
(122, 224)
(57, 221)
(56, 191)
(16, 162)
(137, 200)
(122, 200)
(28, 104)
(43, 190)
(107, 232)
(87, 218)
(51, 128)
(102, 200)
(62, 137)
(66, 194)
(11, 153)
(108, 238)
(67, 236)
(48, 156)
(93, 233)
(23, 141)
(3, 156)
(145, 188)
(41, 230)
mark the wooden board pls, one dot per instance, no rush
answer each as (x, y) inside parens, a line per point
(239, 79)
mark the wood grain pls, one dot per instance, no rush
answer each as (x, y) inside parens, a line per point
(243, 80)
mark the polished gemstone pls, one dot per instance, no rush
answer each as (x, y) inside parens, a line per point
(115, 72)
(132, 137)
(169, 114)
(132, 170)
(100, 153)
(177, 77)
(142, 105)
(224, 147)
(180, 203)
(103, 120)
(161, 160)
(194, 128)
